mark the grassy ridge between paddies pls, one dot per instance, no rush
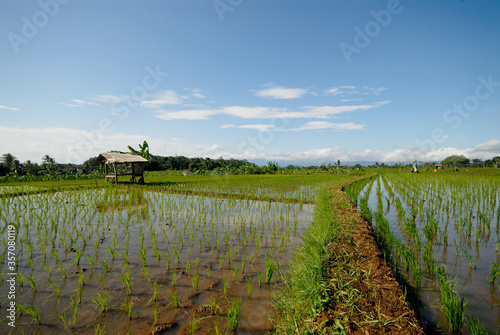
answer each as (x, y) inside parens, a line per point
(338, 282)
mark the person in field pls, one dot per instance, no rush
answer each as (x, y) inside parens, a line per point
(414, 169)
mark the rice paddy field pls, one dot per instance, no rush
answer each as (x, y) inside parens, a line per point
(203, 254)
(118, 260)
(440, 233)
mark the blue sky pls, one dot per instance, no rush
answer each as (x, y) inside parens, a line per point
(292, 81)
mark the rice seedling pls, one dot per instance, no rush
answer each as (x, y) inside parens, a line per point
(213, 303)
(249, 286)
(174, 278)
(233, 313)
(476, 328)
(225, 283)
(270, 266)
(127, 282)
(142, 252)
(63, 319)
(99, 329)
(235, 274)
(193, 325)
(104, 264)
(453, 306)
(74, 304)
(155, 293)
(31, 311)
(111, 251)
(127, 306)
(167, 260)
(32, 281)
(146, 274)
(195, 281)
(101, 302)
(56, 289)
(495, 271)
(173, 299)
(243, 261)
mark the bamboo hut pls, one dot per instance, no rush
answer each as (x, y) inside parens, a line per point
(122, 165)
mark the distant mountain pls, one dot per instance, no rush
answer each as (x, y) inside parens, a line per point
(301, 163)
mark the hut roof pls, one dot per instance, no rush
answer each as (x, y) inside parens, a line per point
(114, 157)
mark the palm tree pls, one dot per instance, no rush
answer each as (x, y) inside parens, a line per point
(48, 163)
(144, 152)
(47, 160)
(10, 162)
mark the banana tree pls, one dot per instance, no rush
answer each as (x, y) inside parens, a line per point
(144, 150)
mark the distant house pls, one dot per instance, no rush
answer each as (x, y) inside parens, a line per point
(79, 169)
(187, 172)
(439, 166)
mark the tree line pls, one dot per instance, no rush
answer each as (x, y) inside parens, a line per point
(50, 169)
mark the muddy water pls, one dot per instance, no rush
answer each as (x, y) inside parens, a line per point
(468, 259)
(223, 244)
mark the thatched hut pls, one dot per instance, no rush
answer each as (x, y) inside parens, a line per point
(123, 165)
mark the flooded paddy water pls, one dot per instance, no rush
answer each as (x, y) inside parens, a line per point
(446, 227)
(119, 261)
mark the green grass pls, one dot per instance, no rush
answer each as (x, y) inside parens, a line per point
(305, 287)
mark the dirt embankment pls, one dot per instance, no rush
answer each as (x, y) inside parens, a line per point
(365, 295)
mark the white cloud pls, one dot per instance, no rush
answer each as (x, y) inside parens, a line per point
(84, 102)
(253, 112)
(278, 92)
(8, 108)
(70, 105)
(162, 99)
(348, 90)
(483, 151)
(196, 93)
(191, 114)
(259, 127)
(259, 112)
(341, 90)
(349, 100)
(107, 98)
(491, 147)
(322, 112)
(79, 103)
(323, 125)
(374, 91)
